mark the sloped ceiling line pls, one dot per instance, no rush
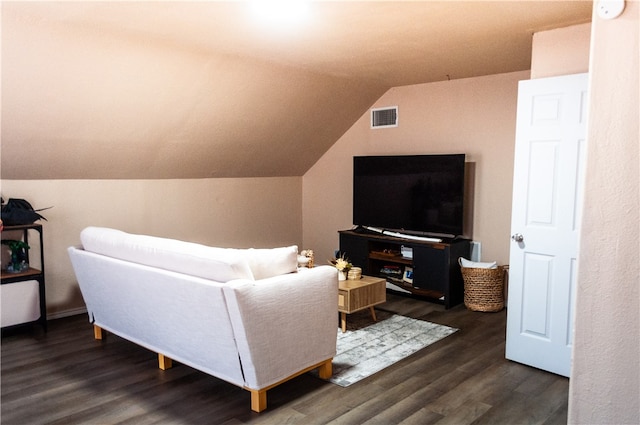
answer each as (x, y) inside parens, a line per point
(139, 90)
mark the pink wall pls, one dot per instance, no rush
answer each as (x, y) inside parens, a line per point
(475, 116)
(605, 380)
(562, 51)
(243, 212)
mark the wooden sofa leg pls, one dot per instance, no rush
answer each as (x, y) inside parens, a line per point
(97, 332)
(258, 400)
(164, 362)
(326, 369)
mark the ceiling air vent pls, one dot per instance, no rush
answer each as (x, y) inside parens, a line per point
(384, 117)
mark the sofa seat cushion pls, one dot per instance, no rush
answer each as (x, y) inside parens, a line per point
(218, 264)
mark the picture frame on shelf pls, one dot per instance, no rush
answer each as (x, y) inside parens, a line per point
(407, 276)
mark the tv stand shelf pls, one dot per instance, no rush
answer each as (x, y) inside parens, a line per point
(390, 258)
(436, 273)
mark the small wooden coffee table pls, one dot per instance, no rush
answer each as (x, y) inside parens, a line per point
(356, 295)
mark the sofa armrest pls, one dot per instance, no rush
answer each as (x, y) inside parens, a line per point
(284, 324)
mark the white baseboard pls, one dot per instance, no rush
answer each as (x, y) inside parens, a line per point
(66, 313)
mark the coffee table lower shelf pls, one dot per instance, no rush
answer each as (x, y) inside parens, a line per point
(356, 295)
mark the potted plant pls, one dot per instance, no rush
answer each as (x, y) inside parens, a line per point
(18, 255)
(343, 265)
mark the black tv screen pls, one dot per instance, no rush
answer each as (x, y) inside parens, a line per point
(412, 193)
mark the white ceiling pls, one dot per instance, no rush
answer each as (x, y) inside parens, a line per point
(342, 57)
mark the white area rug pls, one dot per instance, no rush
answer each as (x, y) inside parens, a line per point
(365, 350)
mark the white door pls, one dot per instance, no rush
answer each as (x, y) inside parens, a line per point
(547, 197)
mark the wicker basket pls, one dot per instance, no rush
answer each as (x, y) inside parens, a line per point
(483, 288)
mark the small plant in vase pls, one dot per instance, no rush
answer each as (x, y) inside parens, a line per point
(343, 265)
(18, 255)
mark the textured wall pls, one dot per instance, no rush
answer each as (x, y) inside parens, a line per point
(605, 381)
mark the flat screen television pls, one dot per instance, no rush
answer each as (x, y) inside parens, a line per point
(417, 194)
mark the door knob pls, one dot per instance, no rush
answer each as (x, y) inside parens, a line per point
(517, 237)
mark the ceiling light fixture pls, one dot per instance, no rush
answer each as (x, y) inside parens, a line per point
(277, 12)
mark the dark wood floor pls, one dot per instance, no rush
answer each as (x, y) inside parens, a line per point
(66, 377)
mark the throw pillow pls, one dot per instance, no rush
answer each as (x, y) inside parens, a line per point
(218, 264)
(271, 262)
(477, 265)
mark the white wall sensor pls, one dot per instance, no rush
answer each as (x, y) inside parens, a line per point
(610, 9)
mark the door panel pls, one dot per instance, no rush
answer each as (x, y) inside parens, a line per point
(547, 199)
(536, 293)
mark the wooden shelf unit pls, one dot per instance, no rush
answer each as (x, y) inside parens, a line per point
(436, 273)
(7, 278)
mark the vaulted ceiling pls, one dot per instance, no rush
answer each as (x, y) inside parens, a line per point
(203, 89)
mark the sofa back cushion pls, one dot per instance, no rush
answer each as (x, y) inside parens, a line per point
(218, 264)
(269, 262)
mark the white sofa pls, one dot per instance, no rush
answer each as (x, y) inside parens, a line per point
(246, 316)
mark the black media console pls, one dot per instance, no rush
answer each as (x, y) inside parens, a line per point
(431, 272)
